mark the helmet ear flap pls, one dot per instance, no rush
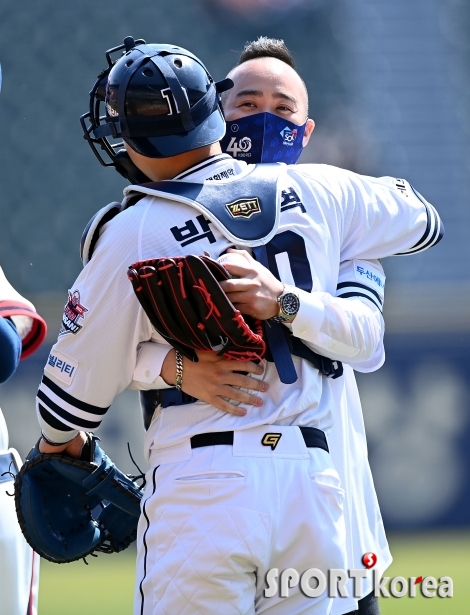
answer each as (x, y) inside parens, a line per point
(127, 168)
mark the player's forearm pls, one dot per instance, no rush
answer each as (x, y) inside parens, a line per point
(342, 329)
(51, 432)
(73, 447)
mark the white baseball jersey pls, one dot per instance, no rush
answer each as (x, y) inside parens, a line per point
(358, 280)
(328, 216)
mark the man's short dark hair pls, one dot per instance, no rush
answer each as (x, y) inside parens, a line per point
(265, 47)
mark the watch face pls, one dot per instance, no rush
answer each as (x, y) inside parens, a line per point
(290, 304)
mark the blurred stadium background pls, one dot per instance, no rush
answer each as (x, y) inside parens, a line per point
(389, 91)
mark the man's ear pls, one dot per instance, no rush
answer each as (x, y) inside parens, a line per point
(309, 127)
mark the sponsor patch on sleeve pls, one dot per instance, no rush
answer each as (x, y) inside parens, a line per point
(74, 313)
(365, 273)
(61, 366)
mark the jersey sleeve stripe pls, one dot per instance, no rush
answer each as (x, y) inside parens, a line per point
(433, 233)
(74, 421)
(352, 285)
(51, 420)
(73, 401)
(53, 402)
(431, 237)
(363, 295)
(435, 238)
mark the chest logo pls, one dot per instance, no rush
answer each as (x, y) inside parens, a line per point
(271, 439)
(244, 208)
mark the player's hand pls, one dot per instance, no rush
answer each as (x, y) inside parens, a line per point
(73, 448)
(255, 290)
(215, 380)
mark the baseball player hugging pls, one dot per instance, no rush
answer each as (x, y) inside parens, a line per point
(240, 477)
(260, 114)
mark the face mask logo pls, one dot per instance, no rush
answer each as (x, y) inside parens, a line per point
(263, 137)
(239, 146)
(288, 135)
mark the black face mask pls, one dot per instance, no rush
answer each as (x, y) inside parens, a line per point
(263, 137)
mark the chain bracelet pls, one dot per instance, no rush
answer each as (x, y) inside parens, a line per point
(179, 370)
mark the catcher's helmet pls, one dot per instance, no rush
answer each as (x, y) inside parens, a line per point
(159, 98)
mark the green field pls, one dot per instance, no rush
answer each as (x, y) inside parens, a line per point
(436, 555)
(105, 587)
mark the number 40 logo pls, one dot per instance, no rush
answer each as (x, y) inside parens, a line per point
(244, 145)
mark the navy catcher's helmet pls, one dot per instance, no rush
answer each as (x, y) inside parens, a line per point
(159, 98)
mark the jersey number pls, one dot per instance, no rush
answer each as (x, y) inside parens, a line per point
(294, 245)
(167, 94)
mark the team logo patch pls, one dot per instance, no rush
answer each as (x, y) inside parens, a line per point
(271, 439)
(73, 312)
(288, 135)
(244, 208)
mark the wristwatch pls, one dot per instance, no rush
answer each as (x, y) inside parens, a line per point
(289, 305)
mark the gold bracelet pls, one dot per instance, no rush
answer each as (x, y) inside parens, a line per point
(179, 370)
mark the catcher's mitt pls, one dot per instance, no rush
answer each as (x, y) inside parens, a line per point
(186, 304)
(68, 508)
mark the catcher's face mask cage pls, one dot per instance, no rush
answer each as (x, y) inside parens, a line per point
(160, 99)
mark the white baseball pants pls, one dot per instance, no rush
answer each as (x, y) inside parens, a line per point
(216, 519)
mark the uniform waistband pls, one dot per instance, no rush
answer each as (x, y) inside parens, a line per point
(313, 438)
(271, 441)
